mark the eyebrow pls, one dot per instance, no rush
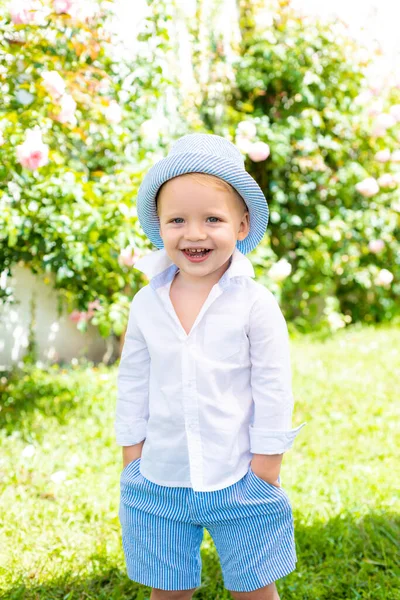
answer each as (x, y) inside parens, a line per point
(213, 213)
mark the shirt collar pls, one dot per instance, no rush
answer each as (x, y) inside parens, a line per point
(158, 261)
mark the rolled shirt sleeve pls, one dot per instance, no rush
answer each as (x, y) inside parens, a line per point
(270, 431)
(132, 408)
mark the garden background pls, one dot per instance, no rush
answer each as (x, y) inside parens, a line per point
(81, 119)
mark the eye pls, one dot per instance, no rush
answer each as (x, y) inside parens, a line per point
(177, 218)
(214, 218)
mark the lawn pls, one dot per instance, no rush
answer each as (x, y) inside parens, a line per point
(60, 467)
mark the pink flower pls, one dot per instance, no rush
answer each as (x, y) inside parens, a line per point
(33, 153)
(67, 113)
(113, 112)
(386, 180)
(54, 83)
(368, 187)
(92, 307)
(376, 246)
(258, 151)
(395, 111)
(384, 277)
(246, 129)
(64, 6)
(128, 257)
(378, 131)
(395, 156)
(383, 155)
(22, 12)
(76, 316)
(243, 143)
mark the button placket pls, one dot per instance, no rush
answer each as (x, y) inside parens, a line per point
(191, 414)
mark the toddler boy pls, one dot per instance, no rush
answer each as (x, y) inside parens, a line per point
(204, 402)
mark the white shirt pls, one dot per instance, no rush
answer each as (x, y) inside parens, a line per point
(207, 401)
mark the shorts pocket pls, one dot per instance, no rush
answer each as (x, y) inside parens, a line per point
(266, 483)
(222, 337)
(130, 465)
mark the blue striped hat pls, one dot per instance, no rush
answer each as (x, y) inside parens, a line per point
(203, 153)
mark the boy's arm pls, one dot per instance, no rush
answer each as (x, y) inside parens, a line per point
(132, 409)
(270, 434)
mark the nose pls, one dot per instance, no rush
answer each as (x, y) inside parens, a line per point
(194, 232)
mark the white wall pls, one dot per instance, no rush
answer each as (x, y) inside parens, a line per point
(57, 337)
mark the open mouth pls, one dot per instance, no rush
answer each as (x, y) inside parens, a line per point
(197, 256)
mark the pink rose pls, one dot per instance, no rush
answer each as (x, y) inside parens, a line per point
(113, 112)
(384, 277)
(368, 187)
(76, 316)
(246, 129)
(54, 83)
(92, 307)
(386, 180)
(258, 151)
(67, 113)
(33, 153)
(22, 12)
(383, 155)
(376, 246)
(378, 131)
(128, 257)
(243, 143)
(64, 6)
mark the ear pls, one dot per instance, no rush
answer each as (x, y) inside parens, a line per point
(244, 227)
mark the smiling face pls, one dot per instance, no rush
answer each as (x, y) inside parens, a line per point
(201, 211)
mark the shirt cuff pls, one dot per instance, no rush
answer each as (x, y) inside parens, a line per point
(129, 435)
(268, 441)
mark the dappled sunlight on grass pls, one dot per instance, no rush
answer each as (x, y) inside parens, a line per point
(60, 471)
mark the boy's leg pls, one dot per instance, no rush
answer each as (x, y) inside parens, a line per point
(160, 542)
(157, 594)
(251, 524)
(269, 592)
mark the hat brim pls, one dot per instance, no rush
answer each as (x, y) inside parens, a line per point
(179, 164)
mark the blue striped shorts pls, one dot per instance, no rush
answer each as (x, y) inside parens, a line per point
(250, 522)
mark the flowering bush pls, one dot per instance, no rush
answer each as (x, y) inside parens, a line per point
(323, 143)
(74, 140)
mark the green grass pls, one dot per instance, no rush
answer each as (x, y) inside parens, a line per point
(62, 540)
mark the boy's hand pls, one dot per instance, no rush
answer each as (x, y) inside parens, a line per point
(130, 453)
(267, 467)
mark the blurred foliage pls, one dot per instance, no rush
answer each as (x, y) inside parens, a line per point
(71, 218)
(300, 82)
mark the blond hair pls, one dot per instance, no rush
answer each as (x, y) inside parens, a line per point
(210, 181)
